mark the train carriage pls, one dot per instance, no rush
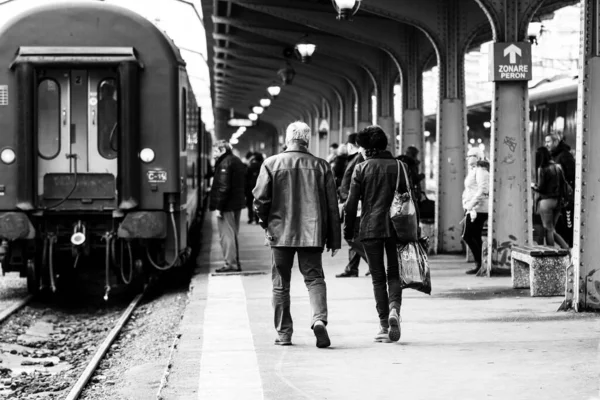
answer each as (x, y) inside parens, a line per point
(95, 111)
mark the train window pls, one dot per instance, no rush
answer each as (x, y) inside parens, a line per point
(183, 128)
(48, 110)
(108, 127)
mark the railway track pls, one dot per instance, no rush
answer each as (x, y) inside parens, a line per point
(52, 351)
(13, 308)
(84, 378)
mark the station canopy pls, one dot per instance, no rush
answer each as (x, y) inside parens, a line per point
(180, 19)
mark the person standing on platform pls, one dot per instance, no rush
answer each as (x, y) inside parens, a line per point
(475, 200)
(254, 163)
(296, 204)
(410, 158)
(338, 165)
(561, 154)
(356, 251)
(547, 187)
(227, 198)
(374, 184)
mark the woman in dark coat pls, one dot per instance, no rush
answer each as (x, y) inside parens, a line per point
(374, 183)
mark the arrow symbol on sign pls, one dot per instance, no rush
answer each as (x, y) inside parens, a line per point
(512, 51)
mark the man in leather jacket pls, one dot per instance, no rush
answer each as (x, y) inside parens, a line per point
(296, 204)
(228, 199)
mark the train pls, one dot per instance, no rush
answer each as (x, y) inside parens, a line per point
(552, 109)
(103, 155)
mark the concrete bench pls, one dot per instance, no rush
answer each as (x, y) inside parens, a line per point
(541, 268)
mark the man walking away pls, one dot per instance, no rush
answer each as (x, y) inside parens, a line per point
(227, 198)
(561, 154)
(356, 251)
(296, 204)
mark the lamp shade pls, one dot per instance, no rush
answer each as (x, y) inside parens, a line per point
(265, 102)
(346, 8)
(287, 74)
(274, 90)
(305, 50)
(257, 110)
(252, 117)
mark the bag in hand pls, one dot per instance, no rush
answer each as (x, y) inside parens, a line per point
(414, 267)
(403, 212)
(566, 191)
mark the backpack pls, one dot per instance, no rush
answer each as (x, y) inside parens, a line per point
(565, 191)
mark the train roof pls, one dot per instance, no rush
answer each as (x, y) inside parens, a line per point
(549, 90)
(92, 7)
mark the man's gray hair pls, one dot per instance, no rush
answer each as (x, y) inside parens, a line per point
(298, 131)
(222, 145)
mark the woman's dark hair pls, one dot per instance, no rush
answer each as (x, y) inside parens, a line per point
(542, 158)
(372, 137)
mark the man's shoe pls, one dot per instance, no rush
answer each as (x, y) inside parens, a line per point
(283, 342)
(320, 332)
(368, 273)
(394, 321)
(347, 274)
(383, 336)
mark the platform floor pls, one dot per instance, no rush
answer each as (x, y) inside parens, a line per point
(473, 338)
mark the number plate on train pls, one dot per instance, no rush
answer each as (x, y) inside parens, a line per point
(157, 176)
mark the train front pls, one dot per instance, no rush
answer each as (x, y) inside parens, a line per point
(89, 149)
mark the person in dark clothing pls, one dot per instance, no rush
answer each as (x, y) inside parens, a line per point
(356, 251)
(339, 163)
(227, 198)
(410, 158)
(549, 175)
(374, 184)
(561, 154)
(254, 163)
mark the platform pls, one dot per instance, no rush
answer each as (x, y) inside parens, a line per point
(474, 338)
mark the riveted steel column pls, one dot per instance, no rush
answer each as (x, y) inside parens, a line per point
(510, 204)
(364, 102)
(412, 101)
(451, 138)
(349, 113)
(385, 102)
(586, 253)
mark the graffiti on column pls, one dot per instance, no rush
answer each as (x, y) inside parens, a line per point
(500, 252)
(511, 143)
(593, 288)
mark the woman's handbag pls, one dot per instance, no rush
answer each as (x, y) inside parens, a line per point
(403, 212)
(414, 267)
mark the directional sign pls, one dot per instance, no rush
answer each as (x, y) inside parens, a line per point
(510, 61)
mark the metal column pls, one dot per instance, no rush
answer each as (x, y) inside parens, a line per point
(412, 130)
(451, 175)
(451, 138)
(586, 279)
(510, 187)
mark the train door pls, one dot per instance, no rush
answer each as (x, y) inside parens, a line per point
(77, 123)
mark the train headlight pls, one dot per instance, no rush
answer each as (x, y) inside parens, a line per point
(8, 156)
(147, 155)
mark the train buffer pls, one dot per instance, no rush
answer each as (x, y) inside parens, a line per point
(542, 269)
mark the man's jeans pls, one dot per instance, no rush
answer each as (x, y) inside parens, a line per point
(374, 249)
(229, 227)
(311, 267)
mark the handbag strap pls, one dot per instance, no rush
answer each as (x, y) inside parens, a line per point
(398, 176)
(400, 165)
